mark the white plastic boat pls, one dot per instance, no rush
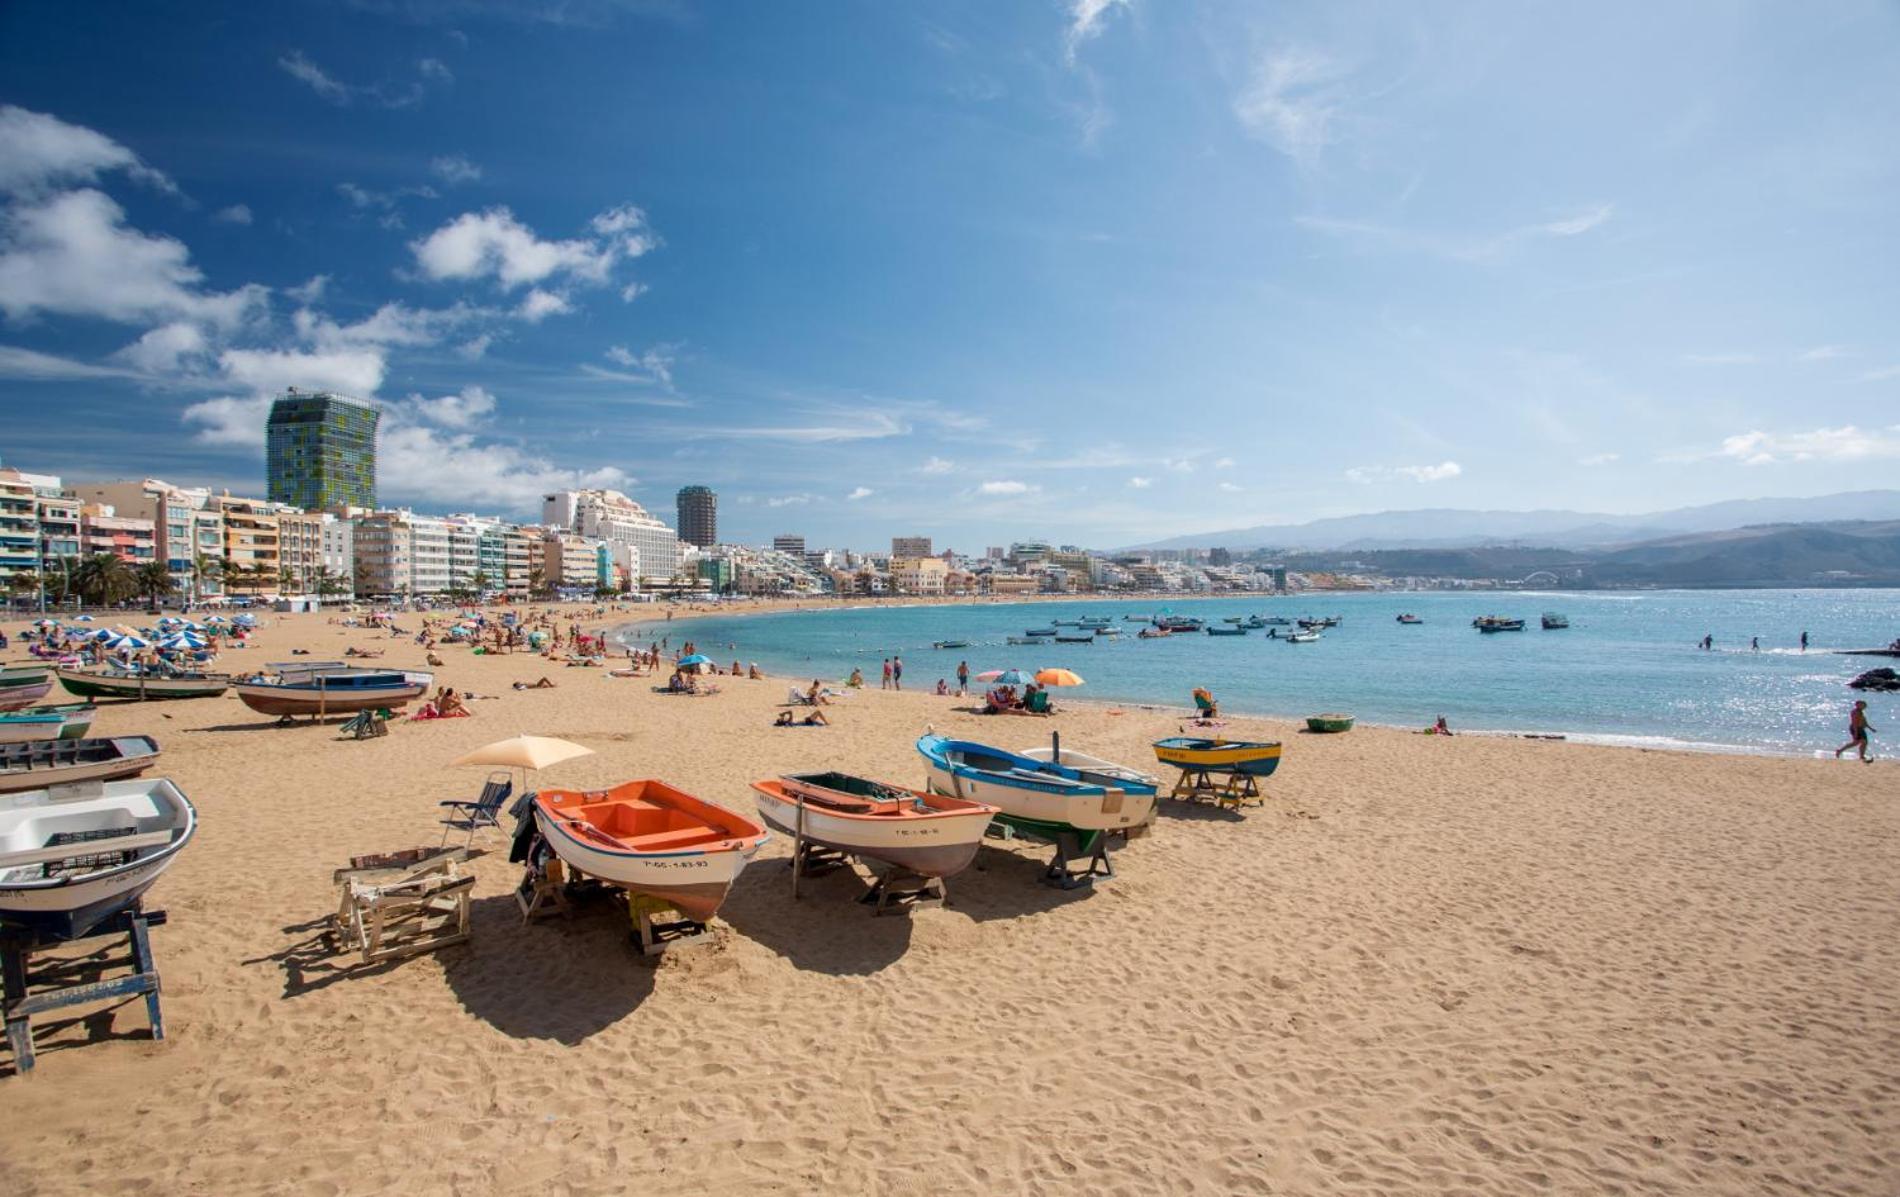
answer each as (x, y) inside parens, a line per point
(72, 856)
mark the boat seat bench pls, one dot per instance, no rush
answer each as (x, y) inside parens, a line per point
(121, 843)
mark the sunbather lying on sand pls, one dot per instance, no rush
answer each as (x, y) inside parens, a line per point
(815, 719)
(543, 684)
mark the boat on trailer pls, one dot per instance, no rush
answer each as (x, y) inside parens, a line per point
(141, 684)
(325, 688)
(24, 685)
(1070, 806)
(72, 856)
(931, 835)
(65, 721)
(649, 838)
(36, 764)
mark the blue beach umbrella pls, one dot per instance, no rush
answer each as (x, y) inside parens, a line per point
(82, 619)
(696, 659)
(1006, 677)
(182, 642)
(125, 640)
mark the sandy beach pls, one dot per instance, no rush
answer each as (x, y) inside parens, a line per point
(1425, 965)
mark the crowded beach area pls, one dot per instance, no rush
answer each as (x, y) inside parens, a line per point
(1414, 964)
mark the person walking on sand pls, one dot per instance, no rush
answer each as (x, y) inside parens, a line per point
(1858, 729)
(886, 683)
(897, 673)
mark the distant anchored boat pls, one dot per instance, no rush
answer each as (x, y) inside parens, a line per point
(1497, 623)
(1553, 621)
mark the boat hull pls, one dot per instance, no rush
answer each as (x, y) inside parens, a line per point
(1255, 759)
(1040, 810)
(695, 880)
(300, 700)
(128, 756)
(94, 685)
(1329, 723)
(24, 688)
(937, 845)
(70, 906)
(68, 722)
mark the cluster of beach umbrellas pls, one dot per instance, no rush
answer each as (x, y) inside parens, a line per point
(1042, 677)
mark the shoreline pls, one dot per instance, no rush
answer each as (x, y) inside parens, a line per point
(1624, 741)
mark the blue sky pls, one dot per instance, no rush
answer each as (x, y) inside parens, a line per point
(1093, 270)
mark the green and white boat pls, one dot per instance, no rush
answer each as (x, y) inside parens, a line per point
(143, 685)
(67, 721)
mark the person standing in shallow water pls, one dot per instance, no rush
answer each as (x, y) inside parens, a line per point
(963, 677)
(1858, 729)
(886, 683)
(897, 673)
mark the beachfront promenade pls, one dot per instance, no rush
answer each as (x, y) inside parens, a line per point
(1462, 965)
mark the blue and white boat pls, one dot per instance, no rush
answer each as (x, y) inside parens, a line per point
(1037, 798)
(72, 856)
(326, 688)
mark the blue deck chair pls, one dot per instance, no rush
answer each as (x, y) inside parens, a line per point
(473, 816)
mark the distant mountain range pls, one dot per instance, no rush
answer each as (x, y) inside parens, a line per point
(1454, 528)
(1841, 553)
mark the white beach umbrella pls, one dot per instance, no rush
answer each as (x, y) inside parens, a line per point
(524, 752)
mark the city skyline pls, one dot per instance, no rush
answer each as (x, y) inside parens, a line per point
(1107, 272)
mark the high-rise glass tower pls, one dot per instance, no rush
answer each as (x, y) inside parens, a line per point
(321, 451)
(698, 515)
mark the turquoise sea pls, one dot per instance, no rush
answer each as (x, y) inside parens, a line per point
(1627, 670)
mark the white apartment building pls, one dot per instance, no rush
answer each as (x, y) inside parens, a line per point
(608, 515)
(400, 552)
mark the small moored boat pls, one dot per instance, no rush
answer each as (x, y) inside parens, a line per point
(73, 856)
(140, 684)
(1410, 619)
(1305, 637)
(1233, 631)
(36, 764)
(1497, 623)
(1553, 621)
(328, 688)
(1039, 631)
(1153, 634)
(1028, 639)
(950, 644)
(1331, 722)
(931, 835)
(1075, 638)
(649, 838)
(66, 721)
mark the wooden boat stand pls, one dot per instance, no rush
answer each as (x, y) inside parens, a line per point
(1227, 788)
(654, 936)
(543, 891)
(21, 1004)
(1064, 873)
(896, 891)
(402, 903)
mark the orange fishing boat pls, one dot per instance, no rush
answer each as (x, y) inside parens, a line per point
(649, 838)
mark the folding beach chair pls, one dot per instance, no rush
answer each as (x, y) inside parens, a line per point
(483, 811)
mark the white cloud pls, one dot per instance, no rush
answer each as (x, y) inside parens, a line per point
(393, 324)
(166, 348)
(1085, 22)
(268, 371)
(300, 67)
(230, 420)
(454, 168)
(1229, 487)
(18, 362)
(632, 291)
(937, 465)
(1006, 487)
(621, 355)
(311, 291)
(847, 425)
(363, 198)
(1847, 443)
(656, 361)
(40, 152)
(1418, 473)
(471, 406)
(1225, 463)
(235, 214)
(1291, 102)
(1884, 374)
(74, 255)
(1582, 222)
(473, 348)
(1141, 483)
(425, 465)
(788, 501)
(494, 244)
(538, 305)
(1600, 459)
(862, 492)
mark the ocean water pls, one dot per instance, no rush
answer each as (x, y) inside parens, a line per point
(1627, 670)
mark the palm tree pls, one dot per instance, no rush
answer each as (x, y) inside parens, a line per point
(105, 579)
(155, 580)
(204, 569)
(286, 578)
(481, 582)
(537, 581)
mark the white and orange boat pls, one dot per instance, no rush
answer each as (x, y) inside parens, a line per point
(931, 835)
(649, 838)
